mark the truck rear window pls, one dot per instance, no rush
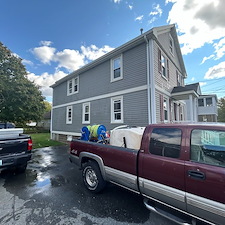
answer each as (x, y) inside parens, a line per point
(165, 142)
(208, 146)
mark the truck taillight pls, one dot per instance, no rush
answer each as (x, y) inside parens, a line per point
(29, 148)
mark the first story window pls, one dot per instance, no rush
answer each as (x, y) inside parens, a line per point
(117, 110)
(165, 109)
(69, 113)
(86, 113)
(116, 69)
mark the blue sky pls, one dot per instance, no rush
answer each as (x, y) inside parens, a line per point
(56, 37)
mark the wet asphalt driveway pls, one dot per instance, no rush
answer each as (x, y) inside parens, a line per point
(51, 192)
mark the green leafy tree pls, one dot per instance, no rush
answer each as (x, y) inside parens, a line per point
(48, 106)
(20, 100)
(221, 110)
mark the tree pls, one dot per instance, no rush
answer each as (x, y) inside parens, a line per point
(48, 106)
(221, 110)
(20, 100)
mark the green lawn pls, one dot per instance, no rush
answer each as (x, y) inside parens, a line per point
(41, 140)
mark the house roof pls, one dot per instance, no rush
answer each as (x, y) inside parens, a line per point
(151, 34)
(183, 92)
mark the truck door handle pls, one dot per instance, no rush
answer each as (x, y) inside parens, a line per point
(196, 174)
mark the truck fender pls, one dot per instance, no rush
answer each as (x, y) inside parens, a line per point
(94, 157)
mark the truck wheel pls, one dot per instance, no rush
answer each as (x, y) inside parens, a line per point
(21, 168)
(92, 177)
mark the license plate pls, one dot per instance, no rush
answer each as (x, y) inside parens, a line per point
(0, 162)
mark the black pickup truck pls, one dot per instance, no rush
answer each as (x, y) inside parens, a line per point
(15, 150)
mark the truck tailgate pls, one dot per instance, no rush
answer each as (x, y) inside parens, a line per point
(13, 145)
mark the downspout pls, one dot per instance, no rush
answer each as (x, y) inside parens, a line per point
(148, 80)
(152, 81)
(51, 123)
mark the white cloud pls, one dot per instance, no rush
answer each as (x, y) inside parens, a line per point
(202, 83)
(204, 22)
(69, 59)
(44, 53)
(92, 52)
(220, 48)
(45, 80)
(152, 20)
(27, 62)
(139, 18)
(207, 58)
(116, 1)
(157, 11)
(216, 71)
(130, 7)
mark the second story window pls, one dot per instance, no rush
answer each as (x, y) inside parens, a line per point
(208, 101)
(116, 69)
(163, 65)
(201, 102)
(73, 86)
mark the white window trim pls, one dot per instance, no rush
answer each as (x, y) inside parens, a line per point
(172, 52)
(68, 119)
(121, 68)
(73, 83)
(167, 109)
(83, 113)
(166, 67)
(112, 109)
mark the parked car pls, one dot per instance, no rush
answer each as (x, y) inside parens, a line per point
(15, 149)
(177, 166)
(6, 125)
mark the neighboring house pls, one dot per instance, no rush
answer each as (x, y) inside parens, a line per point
(189, 94)
(207, 108)
(133, 84)
(46, 121)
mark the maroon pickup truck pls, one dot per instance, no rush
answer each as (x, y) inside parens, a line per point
(178, 167)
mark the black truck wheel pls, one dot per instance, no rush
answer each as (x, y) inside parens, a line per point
(21, 168)
(92, 177)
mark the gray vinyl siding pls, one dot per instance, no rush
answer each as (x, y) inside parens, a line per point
(160, 81)
(135, 113)
(164, 41)
(96, 81)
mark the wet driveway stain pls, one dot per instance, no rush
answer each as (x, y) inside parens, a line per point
(51, 191)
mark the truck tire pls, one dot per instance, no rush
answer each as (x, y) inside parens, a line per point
(92, 177)
(22, 168)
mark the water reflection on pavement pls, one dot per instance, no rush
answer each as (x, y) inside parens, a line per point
(51, 192)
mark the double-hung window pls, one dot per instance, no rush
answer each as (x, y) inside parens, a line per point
(117, 110)
(69, 114)
(166, 109)
(116, 69)
(163, 65)
(73, 86)
(171, 43)
(86, 113)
